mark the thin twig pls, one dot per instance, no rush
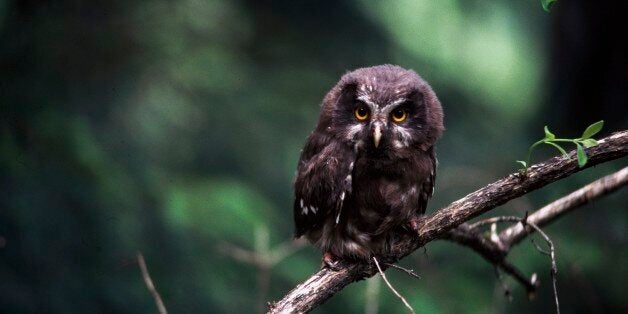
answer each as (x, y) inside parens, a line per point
(263, 258)
(505, 287)
(285, 249)
(240, 254)
(392, 288)
(539, 248)
(554, 271)
(403, 269)
(267, 259)
(529, 284)
(492, 220)
(161, 308)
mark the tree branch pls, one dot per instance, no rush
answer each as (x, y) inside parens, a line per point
(325, 283)
(493, 251)
(596, 189)
(495, 248)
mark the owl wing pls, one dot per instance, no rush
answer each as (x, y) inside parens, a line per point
(427, 188)
(323, 181)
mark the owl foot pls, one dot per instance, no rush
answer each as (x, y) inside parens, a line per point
(414, 223)
(330, 261)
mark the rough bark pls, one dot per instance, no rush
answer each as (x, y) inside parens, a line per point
(514, 234)
(495, 248)
(325, 283)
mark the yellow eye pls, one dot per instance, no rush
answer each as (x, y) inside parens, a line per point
(399, 115)
(361, 113)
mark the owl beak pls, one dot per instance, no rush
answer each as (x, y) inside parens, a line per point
(377, 135)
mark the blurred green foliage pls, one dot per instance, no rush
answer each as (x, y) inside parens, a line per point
(170, 127)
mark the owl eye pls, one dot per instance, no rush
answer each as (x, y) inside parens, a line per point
(361, 113)
(399, 115)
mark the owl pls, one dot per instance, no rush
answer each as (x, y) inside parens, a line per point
(367, 171)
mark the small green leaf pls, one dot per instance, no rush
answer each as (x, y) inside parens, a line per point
(525, 164)
(560, 149)
(589, 142)
(592, 129)
(547, 4)
(582, 156)
(549, 135)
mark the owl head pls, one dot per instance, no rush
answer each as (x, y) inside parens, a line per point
(382, 108)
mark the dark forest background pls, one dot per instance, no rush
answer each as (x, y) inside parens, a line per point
(174, 127)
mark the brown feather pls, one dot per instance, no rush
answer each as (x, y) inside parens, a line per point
(352, 196)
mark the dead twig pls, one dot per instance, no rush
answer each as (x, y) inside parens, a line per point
(264, 258)
(539, 248)
(410, 309)
(504, 286)
(493, 220)
(552, 255)
(410, 272)
(161, 308)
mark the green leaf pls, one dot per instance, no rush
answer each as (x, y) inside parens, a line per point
(582, 156)
(592, 129)
(589, 142)
(547, 4)
(525, 164)
(560, 149)
(549, 135)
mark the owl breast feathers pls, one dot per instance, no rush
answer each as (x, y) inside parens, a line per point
(369, 166)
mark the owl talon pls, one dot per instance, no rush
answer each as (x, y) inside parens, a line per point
(414, 223)
(330, 261)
